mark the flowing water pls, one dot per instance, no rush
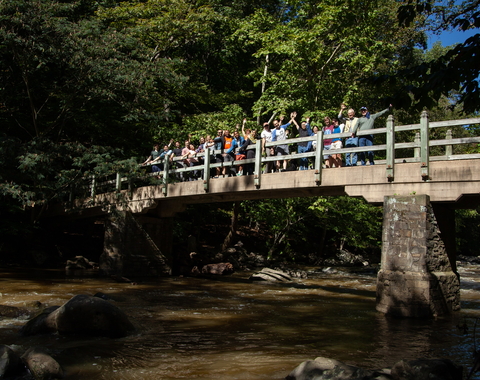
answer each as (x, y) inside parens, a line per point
(229, 328)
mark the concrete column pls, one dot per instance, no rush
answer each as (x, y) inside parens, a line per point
(416, 278)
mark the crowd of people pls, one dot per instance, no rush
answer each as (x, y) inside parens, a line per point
(229, 147)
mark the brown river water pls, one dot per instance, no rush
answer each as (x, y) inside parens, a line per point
(229, 328)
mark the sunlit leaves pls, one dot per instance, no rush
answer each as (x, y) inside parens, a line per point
(342, 220)
(458, 69)
(316, 57)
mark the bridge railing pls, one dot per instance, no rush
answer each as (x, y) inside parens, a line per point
(174, 170)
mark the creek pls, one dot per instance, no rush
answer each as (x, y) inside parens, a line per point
(230, 328)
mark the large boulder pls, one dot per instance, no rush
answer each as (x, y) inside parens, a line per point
(41, 365)
(82, 315)
(427, 369)
(38, 324)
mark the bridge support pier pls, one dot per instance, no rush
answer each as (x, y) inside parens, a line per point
(418, 277)
(136, 246)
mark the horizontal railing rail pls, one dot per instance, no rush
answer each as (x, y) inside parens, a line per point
(174, 169)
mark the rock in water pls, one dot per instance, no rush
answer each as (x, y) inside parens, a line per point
(42, 365)
(82, 315)
(427, 369)
(220, 268)
(267, 274)
(10, 363)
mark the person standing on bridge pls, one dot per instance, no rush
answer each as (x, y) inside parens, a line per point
(278, 134)
(154, 155)
(351, 142)
(327, 143)
(365, 123)
(237, 142)
(337, 142)
(304, 130)
(177, 152)
(266, 137)
(250, 153)
(223, 141)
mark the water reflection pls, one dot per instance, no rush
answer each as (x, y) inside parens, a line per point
(229, 328)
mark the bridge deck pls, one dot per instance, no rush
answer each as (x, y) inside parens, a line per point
(450, 181)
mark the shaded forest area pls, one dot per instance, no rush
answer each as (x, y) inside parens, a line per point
(88, 86)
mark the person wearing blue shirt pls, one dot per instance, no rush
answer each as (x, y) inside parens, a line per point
(304, 130)
(278, 134)
(237, 142)
(337, 143)
(156, 157)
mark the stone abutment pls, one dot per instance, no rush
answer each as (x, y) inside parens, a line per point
(418, 276)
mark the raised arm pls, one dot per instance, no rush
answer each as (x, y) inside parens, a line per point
(296, 124)
(309, 129)
(340, 116)
(374, 116)
(147, 160)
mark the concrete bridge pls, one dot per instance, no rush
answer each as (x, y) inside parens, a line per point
(418, 276)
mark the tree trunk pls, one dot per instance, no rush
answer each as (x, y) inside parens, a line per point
(233, 226)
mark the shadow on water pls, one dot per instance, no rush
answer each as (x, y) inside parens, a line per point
(231, 328)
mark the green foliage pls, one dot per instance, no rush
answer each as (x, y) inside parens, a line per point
(281, 219)
(77, 98)
(467, 231)
(351, 221)
(289, 223)
(317, 55)
(208, 123)
(457, 69)
(196, 37)
(42, 172)
(73, 79)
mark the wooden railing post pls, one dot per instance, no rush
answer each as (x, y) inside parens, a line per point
(390, 148)
(93, 187)
(206, 170)
(118, 182)
(166, 169)
(130, 187)
(449, 148)
(416, 151)
(319, 158)
(258, 163)
(424, 146)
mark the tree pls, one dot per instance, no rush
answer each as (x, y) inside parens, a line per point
(76, 98)
(196, 37)
(76, 80)
(317, 52)
(455, 73)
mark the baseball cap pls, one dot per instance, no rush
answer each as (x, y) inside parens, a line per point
(363, 108)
